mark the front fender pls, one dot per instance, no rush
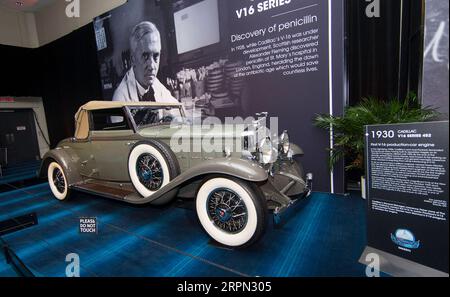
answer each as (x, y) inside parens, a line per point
(239, 168)
(68, 160)
(296, 150)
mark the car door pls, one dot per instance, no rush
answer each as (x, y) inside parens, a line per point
(111, 139)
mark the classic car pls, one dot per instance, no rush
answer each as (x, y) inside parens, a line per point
(125, 151)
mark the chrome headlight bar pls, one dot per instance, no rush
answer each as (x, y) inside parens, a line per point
(284, 144)
(267, 152)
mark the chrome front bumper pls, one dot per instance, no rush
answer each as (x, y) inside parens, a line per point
(280, 212)
(287, 195)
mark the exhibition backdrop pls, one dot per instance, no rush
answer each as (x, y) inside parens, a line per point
(285, 57)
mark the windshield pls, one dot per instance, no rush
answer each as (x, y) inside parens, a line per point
(147, 116)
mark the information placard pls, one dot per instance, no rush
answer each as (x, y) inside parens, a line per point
(407, 198)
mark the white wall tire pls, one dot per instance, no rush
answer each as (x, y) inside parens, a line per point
(56, 177)
(255, 212)
(167, 169)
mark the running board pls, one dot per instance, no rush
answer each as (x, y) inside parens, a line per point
(105, 189)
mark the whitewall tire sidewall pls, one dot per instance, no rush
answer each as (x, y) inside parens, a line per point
(233, 240)
(51, 169)
(134, 155)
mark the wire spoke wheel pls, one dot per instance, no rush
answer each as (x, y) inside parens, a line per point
(58, 180)
(231, 211)
(149, 171)
(227, 210)
(151, 166)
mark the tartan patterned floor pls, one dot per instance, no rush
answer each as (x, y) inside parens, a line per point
(20, 172)
(324, 237)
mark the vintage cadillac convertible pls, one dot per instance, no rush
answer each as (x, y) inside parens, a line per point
(127, 152)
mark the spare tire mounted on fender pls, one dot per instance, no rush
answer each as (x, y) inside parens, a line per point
(151, 166)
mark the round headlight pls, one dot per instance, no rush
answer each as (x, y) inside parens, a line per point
(266, 149)
(285, 145)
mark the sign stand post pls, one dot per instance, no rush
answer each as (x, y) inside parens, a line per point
(397, 266)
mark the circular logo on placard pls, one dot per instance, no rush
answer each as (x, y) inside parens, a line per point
(405, 238)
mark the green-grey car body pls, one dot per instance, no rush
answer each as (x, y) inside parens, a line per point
(138, 164)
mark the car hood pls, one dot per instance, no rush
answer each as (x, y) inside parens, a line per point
(167, 131)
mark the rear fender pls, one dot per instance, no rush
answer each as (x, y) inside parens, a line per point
(68, 160)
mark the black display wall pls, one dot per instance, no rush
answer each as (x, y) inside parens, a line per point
(17, 76)
(64, 73)
(384, 54)
(69, 78)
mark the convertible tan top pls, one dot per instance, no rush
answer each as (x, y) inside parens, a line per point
(81, 117)
(94, 105)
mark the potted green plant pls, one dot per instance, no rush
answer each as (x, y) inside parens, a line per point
(348, 130)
